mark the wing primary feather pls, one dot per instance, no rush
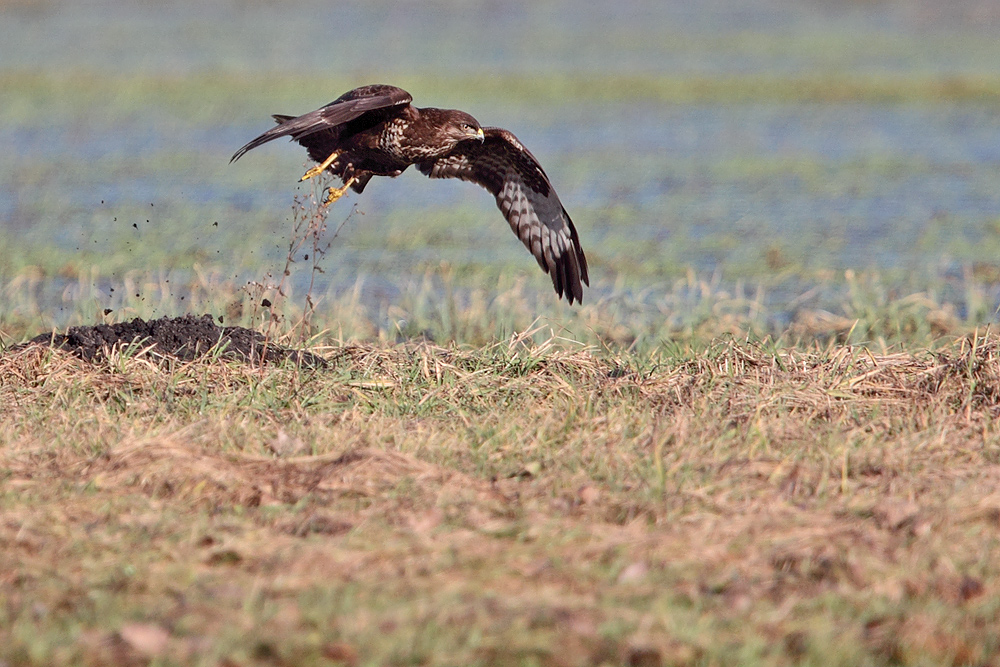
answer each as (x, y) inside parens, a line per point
(526, 198)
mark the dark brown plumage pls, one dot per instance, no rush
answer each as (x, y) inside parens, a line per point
(374, 131)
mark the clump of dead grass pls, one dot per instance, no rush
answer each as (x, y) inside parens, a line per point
(737, 503)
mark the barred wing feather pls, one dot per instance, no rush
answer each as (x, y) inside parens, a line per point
(524, 195)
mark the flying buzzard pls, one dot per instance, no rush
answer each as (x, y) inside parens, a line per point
(374, 131)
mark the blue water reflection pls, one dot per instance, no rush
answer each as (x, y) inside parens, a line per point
(714, 186)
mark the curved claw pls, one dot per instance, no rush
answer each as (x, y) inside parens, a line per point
(336, 193)
(318, 169)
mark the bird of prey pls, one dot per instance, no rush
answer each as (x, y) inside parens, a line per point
(374, 131)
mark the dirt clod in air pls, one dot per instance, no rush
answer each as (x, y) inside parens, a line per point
(185, 338)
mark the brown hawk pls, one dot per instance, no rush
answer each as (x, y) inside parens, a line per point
(374, 131)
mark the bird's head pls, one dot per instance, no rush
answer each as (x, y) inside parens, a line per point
(463, 127)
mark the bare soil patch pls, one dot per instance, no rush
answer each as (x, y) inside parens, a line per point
(185, 338)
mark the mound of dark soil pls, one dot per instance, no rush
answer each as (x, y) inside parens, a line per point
(185, 338)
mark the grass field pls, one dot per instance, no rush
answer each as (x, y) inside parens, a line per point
(768, 437)
(774, 471)
(519, 503)
(796, 467)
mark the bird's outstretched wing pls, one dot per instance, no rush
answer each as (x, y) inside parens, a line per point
(344, 109)
(502, 165)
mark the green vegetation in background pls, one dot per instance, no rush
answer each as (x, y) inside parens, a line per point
(198, 98)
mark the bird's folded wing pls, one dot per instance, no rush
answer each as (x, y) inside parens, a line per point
(524, 195)
(344, 109)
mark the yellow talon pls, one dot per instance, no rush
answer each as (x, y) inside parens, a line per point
(336, 193)
(318, 169)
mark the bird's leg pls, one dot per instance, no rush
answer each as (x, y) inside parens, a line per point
(336, 193)
(318, 169)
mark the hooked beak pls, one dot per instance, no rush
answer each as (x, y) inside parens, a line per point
(478, 134)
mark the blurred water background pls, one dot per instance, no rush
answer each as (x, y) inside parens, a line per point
(775, 147)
